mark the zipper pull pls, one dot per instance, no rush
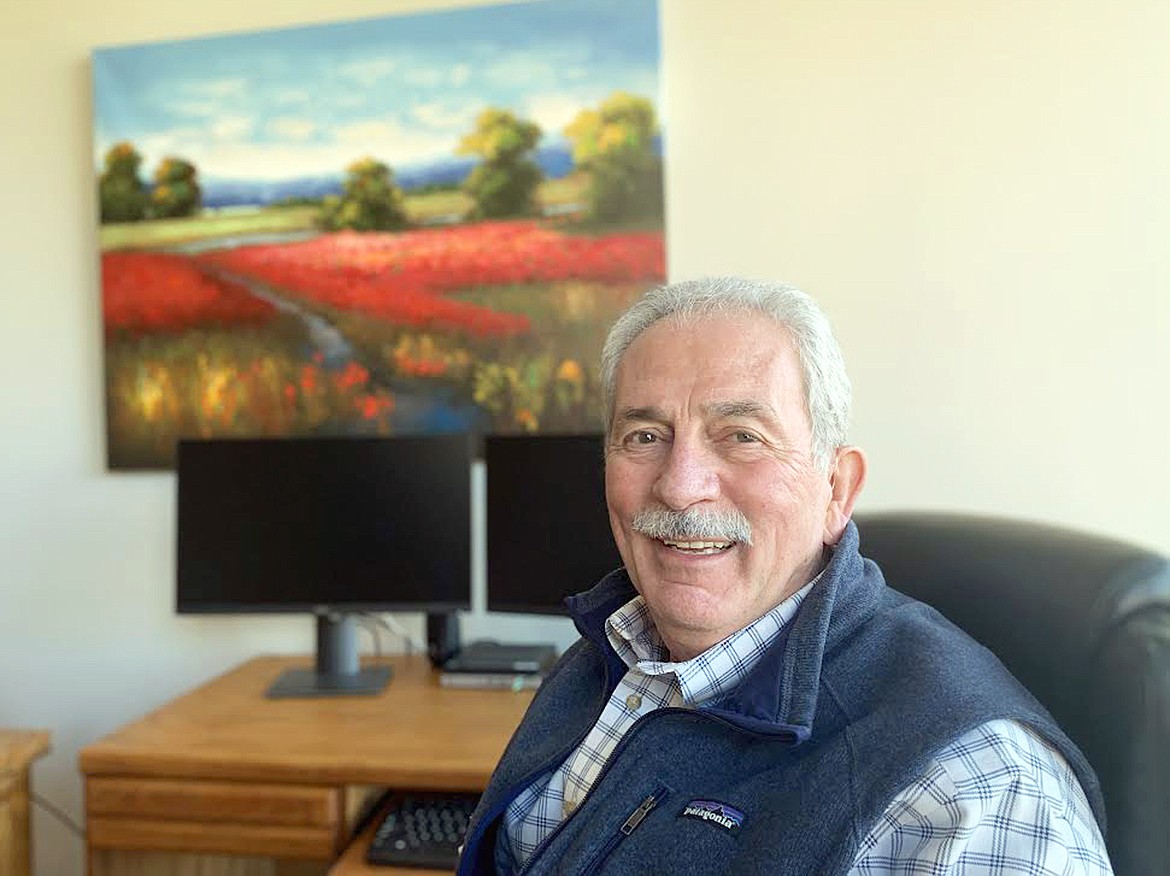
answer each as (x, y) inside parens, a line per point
(638, 814)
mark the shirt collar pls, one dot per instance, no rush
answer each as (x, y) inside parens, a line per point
(719, 669)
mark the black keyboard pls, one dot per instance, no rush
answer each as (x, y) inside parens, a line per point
(422, 830)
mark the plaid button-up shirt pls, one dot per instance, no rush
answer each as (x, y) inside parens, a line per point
(998, 800)
(650, 683)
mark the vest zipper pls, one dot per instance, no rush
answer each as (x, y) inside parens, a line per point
(631, 824)
(641, 812)
(613, 756)
(600, 775)
(637, 725)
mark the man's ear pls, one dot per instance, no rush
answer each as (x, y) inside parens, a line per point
(846, 478)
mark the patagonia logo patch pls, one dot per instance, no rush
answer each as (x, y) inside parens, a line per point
(727, 817)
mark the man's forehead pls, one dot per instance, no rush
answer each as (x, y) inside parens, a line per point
(737, 364)
(713, 369)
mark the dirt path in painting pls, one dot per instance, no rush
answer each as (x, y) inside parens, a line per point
(413, 411)
(334, 349)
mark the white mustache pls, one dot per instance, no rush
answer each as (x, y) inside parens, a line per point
(693, 525)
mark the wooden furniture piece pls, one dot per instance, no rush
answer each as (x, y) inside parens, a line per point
(223, 782)
(18, 749)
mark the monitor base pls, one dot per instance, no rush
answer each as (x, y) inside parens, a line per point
(311, 683)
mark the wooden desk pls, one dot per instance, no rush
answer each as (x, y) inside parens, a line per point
(223, 781)
(18, 749)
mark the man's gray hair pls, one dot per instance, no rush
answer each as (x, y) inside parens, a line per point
(827, 392)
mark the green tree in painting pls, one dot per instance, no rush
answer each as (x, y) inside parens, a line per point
(615, 145)
(176, 189)
(122, 196)
(370, 200)
(504, 182)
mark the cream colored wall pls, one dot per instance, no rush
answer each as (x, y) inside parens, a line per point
(976, 190)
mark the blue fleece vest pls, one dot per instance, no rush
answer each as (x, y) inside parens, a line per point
(789, 772)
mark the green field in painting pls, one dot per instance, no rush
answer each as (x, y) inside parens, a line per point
(154, 233)
(421, 209)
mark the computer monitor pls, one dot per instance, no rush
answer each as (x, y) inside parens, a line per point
(329, 525)
(548, 532)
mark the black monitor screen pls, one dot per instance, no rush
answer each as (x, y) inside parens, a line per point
(351, 523)
(548, 532)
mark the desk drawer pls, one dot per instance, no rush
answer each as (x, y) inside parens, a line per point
(147, 835)
(229, 802)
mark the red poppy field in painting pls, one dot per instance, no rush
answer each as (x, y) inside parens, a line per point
(490, 325)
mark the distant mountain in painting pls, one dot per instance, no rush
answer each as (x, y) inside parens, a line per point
(555, 162)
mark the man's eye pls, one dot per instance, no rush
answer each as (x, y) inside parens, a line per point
(642, 437)
(745, 438)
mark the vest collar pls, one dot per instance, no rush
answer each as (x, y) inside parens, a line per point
(779, 696)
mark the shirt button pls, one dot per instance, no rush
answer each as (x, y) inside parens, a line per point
(633, 702)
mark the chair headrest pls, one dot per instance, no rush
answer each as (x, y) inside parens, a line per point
(1083, 621)
(1049, 593)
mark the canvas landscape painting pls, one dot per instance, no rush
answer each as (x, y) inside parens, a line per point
(417, 223)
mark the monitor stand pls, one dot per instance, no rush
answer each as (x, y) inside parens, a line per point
(337, 671)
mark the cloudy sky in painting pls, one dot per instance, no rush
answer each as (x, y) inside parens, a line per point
(310, 100)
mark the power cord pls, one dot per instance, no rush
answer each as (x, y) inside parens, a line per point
(375, 634)
(395, 628)
(58, 814)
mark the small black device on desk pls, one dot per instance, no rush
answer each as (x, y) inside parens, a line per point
(490, 656)
(422, 829)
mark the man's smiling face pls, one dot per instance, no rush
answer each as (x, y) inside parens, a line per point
(709, 419)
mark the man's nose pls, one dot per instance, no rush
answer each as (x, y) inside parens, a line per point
(689, 475)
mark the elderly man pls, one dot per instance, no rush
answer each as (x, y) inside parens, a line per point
(747, 695)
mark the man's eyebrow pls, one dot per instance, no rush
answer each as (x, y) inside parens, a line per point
(640, 415)
(741, 408)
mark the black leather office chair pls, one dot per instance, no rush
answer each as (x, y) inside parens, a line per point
(1083, 622)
